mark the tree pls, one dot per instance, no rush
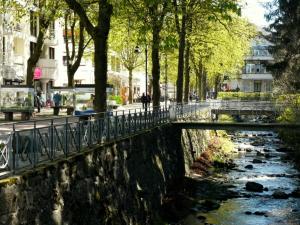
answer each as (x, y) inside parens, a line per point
(124, 41)
(96, 18)
(45, 14)
(152, 13)
(284, 33)
(78, 44)
(218, 50)
(189, 10)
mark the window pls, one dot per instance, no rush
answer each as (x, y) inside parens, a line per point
(33, 24)
(32, 48)
(118, 65)
(65, 60)
(250, 68)
(51, 53)
(52, 30)
(269, 86)
(257, 86)
(113, 63)
(3, 48)
(257, 68)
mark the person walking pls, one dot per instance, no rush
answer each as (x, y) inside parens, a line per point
(57, 99)
(148, 100)
(144, 101)
(38, 102)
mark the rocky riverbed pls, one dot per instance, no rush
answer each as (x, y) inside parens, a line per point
(262, 188)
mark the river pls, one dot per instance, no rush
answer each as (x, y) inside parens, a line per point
(223, 198)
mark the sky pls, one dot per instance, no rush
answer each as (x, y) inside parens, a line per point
(254, 11)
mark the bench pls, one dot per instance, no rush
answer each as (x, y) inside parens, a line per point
(56, 109)
(9, 113)
(84, 114)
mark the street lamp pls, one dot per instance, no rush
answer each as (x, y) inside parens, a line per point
(137, 51)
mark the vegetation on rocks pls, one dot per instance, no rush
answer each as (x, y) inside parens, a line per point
(216, 155)
(291, 114)
(244, 96)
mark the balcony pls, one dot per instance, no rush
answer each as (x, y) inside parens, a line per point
(49, 68)
(18, 27)
(47, 63)
(255, 76)
(18, 59)
(259, 58)
(51, 40)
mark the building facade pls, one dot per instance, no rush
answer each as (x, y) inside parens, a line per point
(255, 76)
(17, 41)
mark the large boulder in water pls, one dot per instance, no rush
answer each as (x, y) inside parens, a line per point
(253, 186)
(249, 167)
(257, 161)
(278, 194)
(283, 149)
(296, 193)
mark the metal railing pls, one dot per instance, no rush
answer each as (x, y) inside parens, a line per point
(254, 108)
(29, 143)
(33, 142)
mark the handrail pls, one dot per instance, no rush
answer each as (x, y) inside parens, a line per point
(31, 142)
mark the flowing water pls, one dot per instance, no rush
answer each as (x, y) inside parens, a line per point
(276, 172)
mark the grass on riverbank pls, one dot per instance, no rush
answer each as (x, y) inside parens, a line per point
(218, 153)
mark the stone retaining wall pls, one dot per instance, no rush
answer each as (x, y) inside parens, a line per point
(120, 183)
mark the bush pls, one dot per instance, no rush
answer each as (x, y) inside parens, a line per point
(116, 98)
(245, 96)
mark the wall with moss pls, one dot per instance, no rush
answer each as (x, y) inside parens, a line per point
(123, 182)
(120, 183)
(193, 142)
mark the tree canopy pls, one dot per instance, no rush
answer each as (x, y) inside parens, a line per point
(285, 36)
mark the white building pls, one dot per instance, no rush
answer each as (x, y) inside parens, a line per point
(18, 40)
(254, 77)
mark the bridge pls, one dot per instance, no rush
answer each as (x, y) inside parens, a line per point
(236, 126)
(28, 144)
(254, 108)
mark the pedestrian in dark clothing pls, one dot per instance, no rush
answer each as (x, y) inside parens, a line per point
(148, 100)
(37, 101)
(144, 100)
(57, 99)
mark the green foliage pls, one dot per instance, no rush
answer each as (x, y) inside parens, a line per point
(220, 46)
(222, 146)
(226, 118)
(116, 98)
(284, 34)
(245, 95)
(291, 111)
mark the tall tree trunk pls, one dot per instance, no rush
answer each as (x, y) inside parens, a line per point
(217, 85)
(199, 73)
(71, 75)
(181, 30)
(130, 87)
(187, 73)
(72, 66)
(203, 84)
(155, 65)
(100, 57)
(99, 35)
(200, 85)
(179, 83)
(34, 58)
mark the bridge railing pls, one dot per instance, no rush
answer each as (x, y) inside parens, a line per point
(48, 139)
(28, 144)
